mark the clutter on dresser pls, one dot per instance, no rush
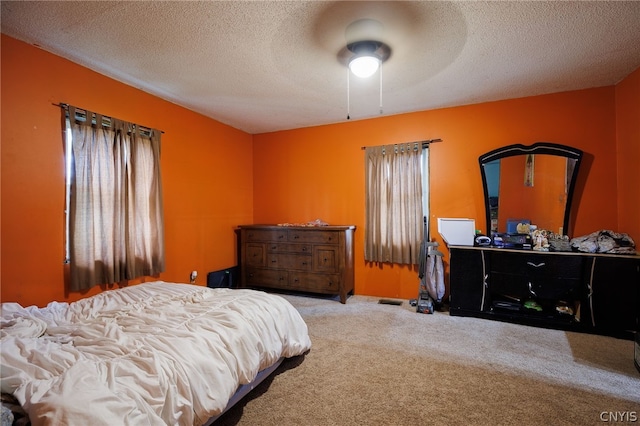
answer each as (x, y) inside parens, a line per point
(558, 242)
(312, 223)
(515, 241)
(604, 241)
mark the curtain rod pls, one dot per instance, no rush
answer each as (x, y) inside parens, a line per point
(424, 143)
(66, 107)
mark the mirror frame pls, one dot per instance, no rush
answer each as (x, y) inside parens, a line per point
(537, 148)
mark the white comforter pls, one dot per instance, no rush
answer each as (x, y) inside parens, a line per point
(150, 354)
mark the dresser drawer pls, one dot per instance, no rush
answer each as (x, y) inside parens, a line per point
(289, 248)
(523, 287)
(255, 254)
(526, 275)
(537, 265)
(271, 235)
(266, 278)
(300, 262)
(313, 236)
(329, 283)
(325, 258)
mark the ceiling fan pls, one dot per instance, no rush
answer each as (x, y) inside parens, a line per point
(368, 51)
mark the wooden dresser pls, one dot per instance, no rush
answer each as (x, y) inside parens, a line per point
(299, 258)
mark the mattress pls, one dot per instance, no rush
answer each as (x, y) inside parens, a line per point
(154, 353)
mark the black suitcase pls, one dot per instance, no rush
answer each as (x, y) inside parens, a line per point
(224, 278)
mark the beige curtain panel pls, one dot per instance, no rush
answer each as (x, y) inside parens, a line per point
(394, 216)
(116, 215)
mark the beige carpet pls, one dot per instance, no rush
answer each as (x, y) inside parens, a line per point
(376, 364)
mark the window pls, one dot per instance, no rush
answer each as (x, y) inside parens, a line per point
(114, 200)
(396, 203)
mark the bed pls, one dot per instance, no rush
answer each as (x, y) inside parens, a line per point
(154, 353)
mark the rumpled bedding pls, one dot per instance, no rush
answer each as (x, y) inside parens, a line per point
(153, 354)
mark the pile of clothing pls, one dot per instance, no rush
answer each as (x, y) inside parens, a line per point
(604, 241)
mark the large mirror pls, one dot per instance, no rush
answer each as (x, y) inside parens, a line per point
(531, 184)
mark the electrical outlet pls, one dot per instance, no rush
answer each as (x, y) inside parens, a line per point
(193, 276)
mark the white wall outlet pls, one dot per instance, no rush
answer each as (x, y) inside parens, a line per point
(193, 276)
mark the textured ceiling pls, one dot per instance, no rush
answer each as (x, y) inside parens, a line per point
(272, 65)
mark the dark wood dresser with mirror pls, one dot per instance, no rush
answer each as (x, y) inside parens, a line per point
(298, 258)
(557, 287)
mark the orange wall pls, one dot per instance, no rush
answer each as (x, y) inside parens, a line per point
(206, 172)
(309, 173)
(628, 143)
(212, 182)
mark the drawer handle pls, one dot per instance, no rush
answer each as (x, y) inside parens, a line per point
(534, 265)
(295, 237)
(304, 263)
(531, 289)
(280, 237)
(273, 261)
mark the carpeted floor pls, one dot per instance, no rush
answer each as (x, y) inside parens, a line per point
(378, 364)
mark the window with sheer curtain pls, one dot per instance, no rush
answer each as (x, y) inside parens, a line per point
(395, 202)
(114, 203)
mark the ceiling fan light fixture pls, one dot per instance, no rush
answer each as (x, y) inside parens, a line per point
(364, 65)
(367, 59)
